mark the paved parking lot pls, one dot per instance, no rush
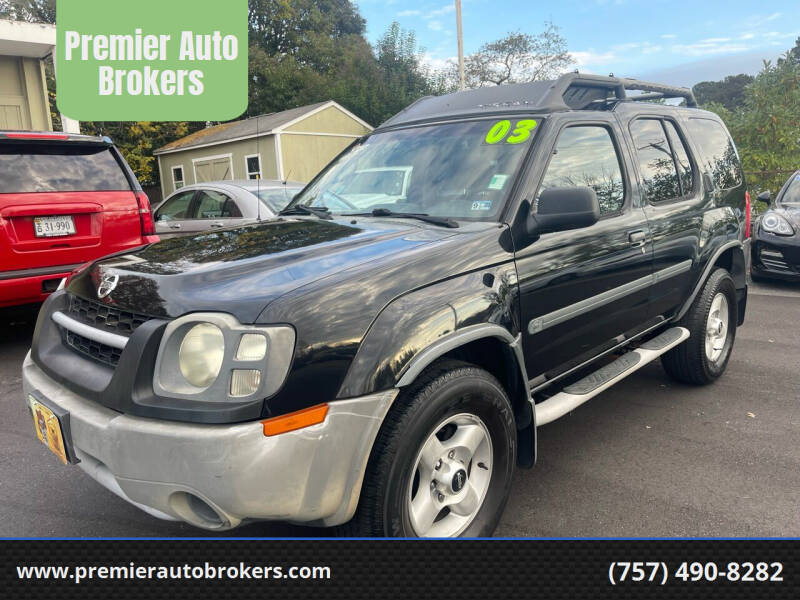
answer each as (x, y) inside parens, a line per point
(648, 457)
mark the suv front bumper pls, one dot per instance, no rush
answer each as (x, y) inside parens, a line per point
(216, 476)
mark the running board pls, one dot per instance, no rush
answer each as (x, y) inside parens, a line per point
(590, 386)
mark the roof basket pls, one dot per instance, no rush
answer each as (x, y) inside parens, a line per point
(581, 92)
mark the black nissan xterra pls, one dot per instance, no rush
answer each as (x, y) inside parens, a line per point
(381, 356)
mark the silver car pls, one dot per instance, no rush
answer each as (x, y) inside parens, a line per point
(216, 204)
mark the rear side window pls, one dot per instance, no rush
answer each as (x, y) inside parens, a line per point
(717, 151)
(656, 163)
(585, 156)
(215, 205)
(59, 168)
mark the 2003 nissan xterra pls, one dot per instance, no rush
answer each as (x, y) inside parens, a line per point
(383, 362)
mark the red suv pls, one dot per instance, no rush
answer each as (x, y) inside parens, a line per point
(64, 200)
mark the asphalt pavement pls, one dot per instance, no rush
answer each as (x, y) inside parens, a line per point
(648, 457)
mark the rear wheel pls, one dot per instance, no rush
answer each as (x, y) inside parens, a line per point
(443, 461)
(711, 321)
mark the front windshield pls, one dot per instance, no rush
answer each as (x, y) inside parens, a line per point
(275, 199)
(792, 194)
(461, 170)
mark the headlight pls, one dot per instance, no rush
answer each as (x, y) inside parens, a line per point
(212, 357)
(774, 223)
(201, 353)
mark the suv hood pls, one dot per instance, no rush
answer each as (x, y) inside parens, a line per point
(242, 270)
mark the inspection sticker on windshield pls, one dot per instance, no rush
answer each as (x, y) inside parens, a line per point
(497, 182)
(482, 205)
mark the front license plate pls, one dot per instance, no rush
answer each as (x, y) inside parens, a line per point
(53, 226)
(48, 428)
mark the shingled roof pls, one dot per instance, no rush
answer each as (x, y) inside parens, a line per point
(247, 128)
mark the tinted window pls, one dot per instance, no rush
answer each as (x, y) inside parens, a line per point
(717, 152)
(681, 158)
(656, 164)
(59, 168)
(215, 205)
(176, 207)
(585, 156)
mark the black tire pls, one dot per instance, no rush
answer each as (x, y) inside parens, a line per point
(688, 362)
(446, 388)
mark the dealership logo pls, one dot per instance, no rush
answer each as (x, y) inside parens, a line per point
(108, 284)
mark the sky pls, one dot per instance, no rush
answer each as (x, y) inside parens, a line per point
(679, 42)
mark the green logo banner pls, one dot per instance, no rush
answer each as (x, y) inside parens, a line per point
(151, 60)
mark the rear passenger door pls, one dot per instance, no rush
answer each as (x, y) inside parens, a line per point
(582, 290)
(674, 205)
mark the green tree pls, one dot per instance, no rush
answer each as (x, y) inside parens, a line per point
(34, 11)
(729, 92)
(766, 127)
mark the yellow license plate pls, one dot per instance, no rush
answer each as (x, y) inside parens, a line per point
(48, 428)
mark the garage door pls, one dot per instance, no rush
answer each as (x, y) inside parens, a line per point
(215, 169)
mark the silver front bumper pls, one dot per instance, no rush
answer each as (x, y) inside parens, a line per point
(216, 476)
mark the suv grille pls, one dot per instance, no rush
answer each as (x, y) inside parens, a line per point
(105, 354)
(106, 317)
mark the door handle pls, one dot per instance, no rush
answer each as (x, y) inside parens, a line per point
(217, 224)
(174, 225)
(637, 238)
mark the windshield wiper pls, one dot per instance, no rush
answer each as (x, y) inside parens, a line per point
(302, 209)
(385, 212)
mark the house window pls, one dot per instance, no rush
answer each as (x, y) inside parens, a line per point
(177, 177)
(253, 166)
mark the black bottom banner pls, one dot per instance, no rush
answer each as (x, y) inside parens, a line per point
(437, 569)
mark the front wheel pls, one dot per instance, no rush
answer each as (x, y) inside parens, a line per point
(711, 321)
(443, 461)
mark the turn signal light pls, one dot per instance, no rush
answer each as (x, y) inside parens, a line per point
(296, 420)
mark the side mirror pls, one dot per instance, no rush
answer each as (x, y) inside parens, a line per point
(560, 209)
(765, 196)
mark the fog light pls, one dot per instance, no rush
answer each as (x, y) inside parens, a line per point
(244, 382)
(252, 346)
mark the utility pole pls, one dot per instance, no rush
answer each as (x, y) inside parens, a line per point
(460, 46)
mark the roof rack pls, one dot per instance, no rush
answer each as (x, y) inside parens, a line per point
(580, 91)
(572, 91)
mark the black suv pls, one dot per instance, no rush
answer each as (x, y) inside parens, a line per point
(381, 356)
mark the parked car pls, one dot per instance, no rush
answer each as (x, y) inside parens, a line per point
(218, 204)
(775, 251)
(64, 200)
(384, 368)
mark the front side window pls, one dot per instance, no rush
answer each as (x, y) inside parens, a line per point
(585, 156)
(656, 163)
(461, 170)
(717, 151)
(177, 177)
(176, 207)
